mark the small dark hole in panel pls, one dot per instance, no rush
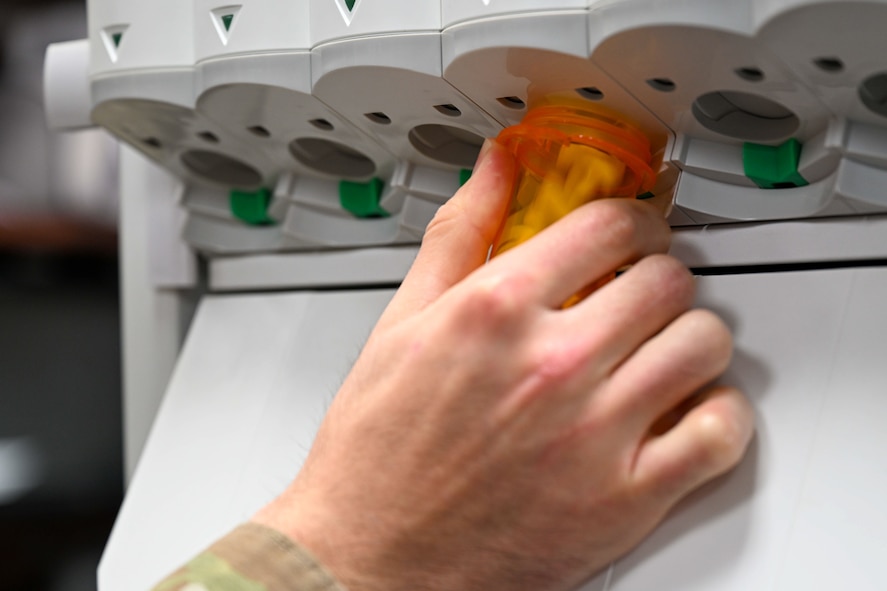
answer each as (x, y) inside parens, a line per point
(152, 142)
(448, 110)
(750, 74)
(829, 64)
(259, 131)
(591, 93)
(512, 102)
(661, 84)
(322, 124)
(209, 137)
(378, 117)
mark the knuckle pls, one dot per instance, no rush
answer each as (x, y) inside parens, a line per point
(667, 280)
(723, 440)
(615, 221)
(624, 221)
(446, 216)
(674, 277)
(495, 299)
(556, 363)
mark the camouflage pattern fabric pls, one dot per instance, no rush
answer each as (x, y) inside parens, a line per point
(252, 558)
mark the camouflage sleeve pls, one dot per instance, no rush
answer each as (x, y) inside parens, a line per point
(252, 558)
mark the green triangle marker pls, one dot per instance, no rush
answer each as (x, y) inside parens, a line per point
(227, 19)
(115, 38)
(350, 4)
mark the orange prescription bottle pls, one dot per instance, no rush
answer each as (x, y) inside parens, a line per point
(567, 155)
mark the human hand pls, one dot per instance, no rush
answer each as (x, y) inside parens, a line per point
(487, 438)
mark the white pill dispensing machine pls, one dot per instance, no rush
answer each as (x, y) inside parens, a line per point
(299, 148)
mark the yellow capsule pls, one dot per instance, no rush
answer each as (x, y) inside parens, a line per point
(547, 207)
(517, 235)
(590, 173)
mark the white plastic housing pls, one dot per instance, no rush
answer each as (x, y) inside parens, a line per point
(821, 44)
(66, 94)
(239, 95)
(391, 88)
(660, 66)
(533, 56)
(253, 26)
(332, 19)
(456, 11)
(152, 35)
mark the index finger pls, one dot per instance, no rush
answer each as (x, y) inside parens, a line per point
(586, 246)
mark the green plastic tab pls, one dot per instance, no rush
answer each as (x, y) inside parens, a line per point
(117, 38)
(227, 19)
(350, 4)
(251, 207)
(362, 199)
(464, 175)
(773, 167)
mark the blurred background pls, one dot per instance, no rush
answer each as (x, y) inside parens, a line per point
(61, 475)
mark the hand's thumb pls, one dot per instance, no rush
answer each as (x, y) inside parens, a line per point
(457, 240)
